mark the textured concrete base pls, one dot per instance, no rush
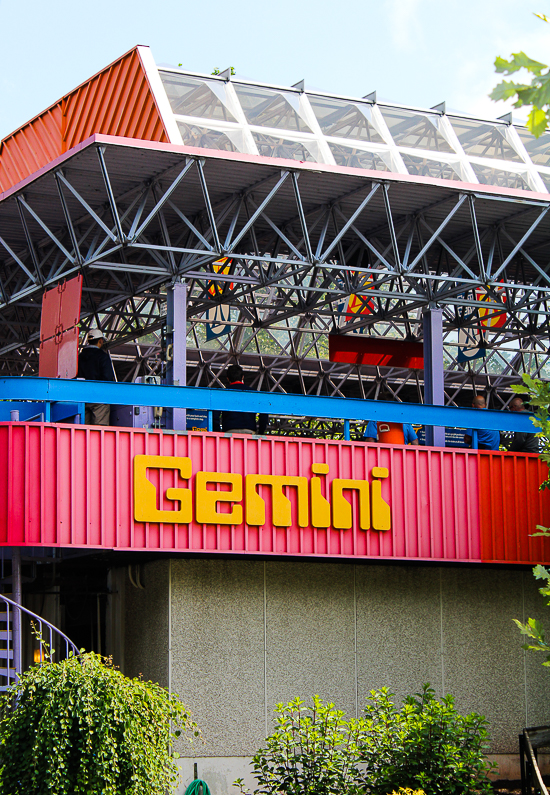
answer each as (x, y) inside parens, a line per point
(219, 772)
(508, 766)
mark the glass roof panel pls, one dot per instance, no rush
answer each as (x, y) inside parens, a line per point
(266, 108)
(483, 139)
(193, 135)
(191, 97)
(357, 158)
(546, 179)
(272, 146)
(344, 119)
(416, 130)
(496, 176)
(537, 148)
(425, 167)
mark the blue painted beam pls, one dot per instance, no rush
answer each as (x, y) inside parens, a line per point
(57, 389)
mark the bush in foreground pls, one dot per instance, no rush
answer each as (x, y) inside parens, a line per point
(80, 726)
(313, 751)
(425, 746)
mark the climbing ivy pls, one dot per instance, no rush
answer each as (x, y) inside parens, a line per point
(80, 726)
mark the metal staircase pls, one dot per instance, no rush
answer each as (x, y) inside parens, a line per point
(18, 624)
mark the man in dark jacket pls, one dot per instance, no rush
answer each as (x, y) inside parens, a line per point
(94, 364)
(522, 442)
(239, 421)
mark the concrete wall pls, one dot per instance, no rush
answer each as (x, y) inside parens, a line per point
(145, 625)
(247, 634)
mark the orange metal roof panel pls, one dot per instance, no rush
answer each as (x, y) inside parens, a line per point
(116, 101)
(31, 147)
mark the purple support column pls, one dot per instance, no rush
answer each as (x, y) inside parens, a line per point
(432, 320)
(176, 349)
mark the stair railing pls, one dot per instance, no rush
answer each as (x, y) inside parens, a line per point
(46, 633)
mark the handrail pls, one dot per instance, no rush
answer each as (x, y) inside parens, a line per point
(78, 391)
(16, 637)
(530, 772)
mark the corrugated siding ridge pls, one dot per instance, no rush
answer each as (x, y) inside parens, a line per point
(118, 101)
(110, 102)
(31, 147)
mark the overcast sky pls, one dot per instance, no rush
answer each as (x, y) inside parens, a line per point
(418, 52)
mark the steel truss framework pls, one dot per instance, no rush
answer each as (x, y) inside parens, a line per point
(299, 240)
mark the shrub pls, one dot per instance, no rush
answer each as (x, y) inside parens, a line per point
(80, 726)
(408, 791)
(424, 745)
(313, 751)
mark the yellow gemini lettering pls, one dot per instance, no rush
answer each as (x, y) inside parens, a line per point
(145, 496)
(341, 508)
(281, 506)
(381, 511)
(206, 501)
(320, 506)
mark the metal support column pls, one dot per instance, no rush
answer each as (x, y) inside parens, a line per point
(432, 321)
(176, 349)
(16, 618)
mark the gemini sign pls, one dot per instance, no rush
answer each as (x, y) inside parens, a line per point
(201, 499)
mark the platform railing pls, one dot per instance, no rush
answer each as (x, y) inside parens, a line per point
(529, 742)
(70, 393)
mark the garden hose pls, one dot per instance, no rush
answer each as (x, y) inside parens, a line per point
(194, 788)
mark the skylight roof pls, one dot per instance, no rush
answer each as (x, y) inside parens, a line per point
(241, 116)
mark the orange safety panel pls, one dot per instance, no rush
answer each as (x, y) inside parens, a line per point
(116, 101)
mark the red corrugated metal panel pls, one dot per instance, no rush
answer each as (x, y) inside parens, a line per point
(511, 506)
(31, 147)
(116, 101)
(73, 486)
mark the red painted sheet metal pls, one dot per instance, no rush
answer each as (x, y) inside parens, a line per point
(375, 351)
(116, 101)
(58, 330)
(73, 486)
(31, 147)
(511, 506)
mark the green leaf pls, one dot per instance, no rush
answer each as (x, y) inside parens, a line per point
(505, 90)
(537, 122)
(540, 572)
(519, 61)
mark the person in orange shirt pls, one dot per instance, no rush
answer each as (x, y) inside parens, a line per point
(390, 433)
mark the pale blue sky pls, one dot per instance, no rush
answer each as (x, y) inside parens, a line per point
(417, 52)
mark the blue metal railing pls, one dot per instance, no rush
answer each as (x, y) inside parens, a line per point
(62, 396)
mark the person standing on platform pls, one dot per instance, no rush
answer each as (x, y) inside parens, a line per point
(239, 421)
(486, 440)
(522, 442)
(94, 364)
(390, 433)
